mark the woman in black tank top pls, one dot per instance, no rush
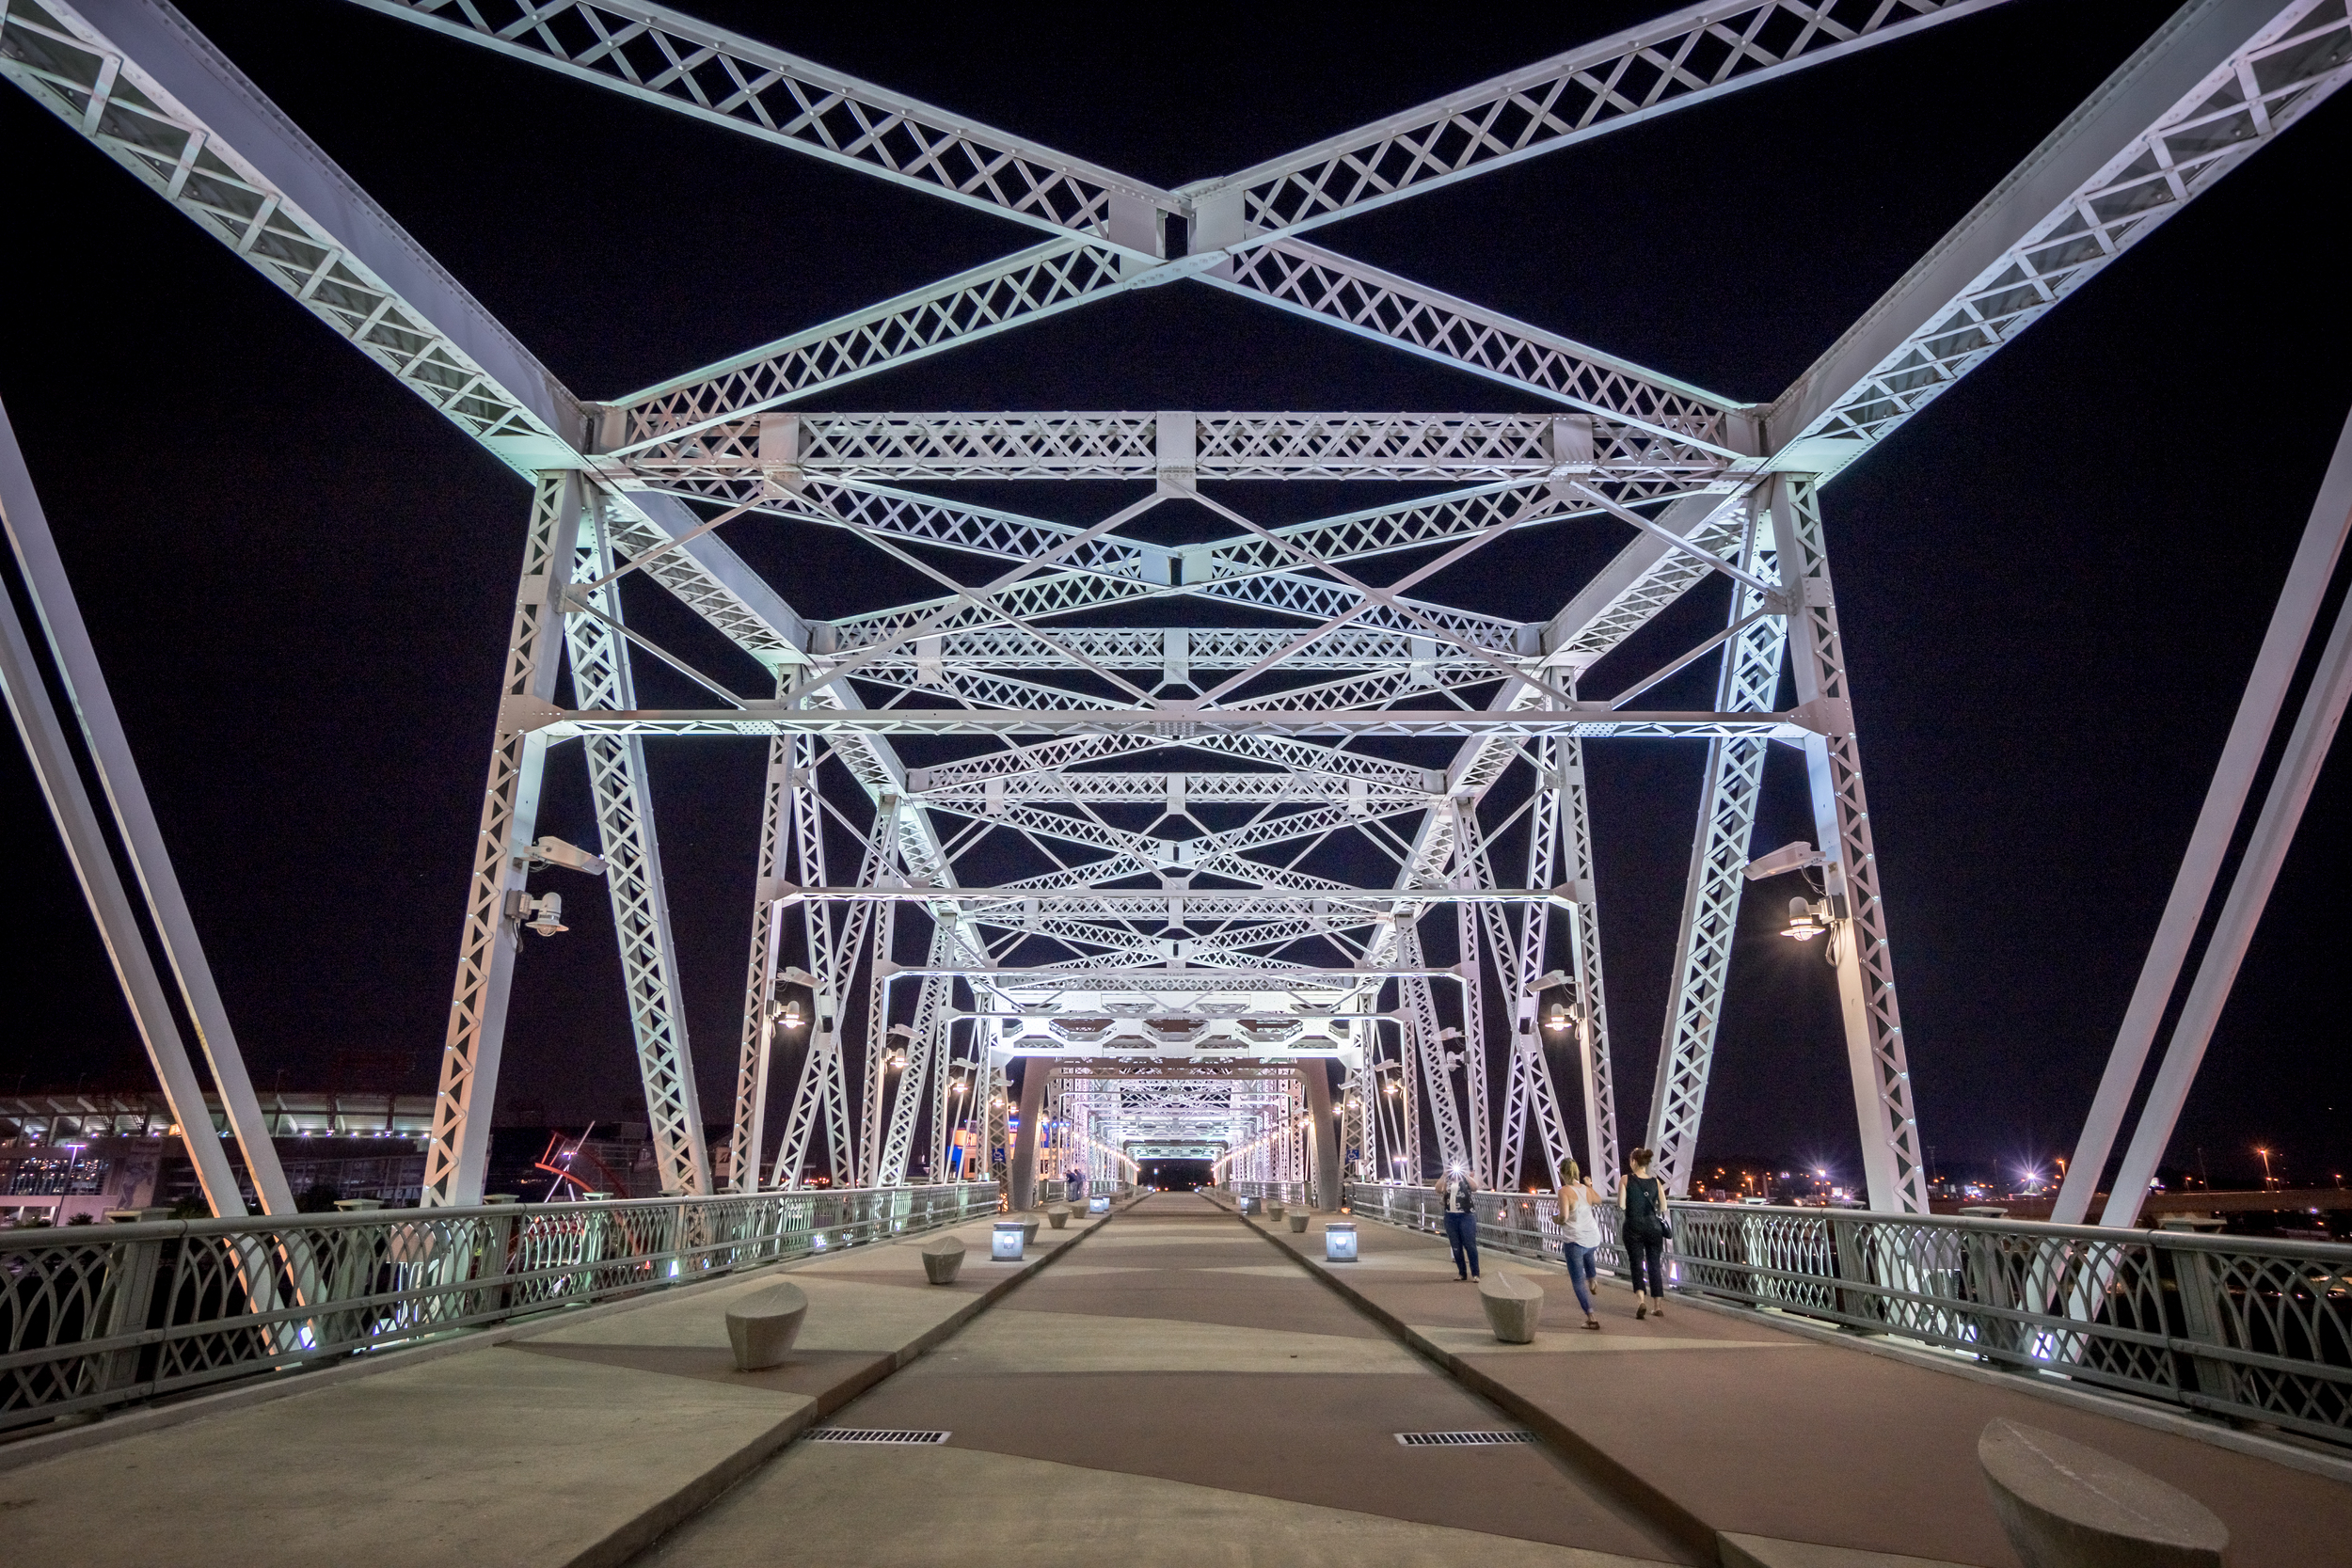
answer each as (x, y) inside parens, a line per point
(1642, 1199)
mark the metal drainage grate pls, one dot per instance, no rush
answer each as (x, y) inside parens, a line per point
(1460, 1439)
(871, 1434)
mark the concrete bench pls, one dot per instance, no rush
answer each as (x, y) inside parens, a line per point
(943, 1260)
(762, 1326)
(1058, 1214)
(2065, 1506)
(1513, 1304)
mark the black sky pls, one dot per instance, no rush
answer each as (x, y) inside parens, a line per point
(2051, 582)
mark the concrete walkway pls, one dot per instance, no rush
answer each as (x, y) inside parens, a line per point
(1175, 1393)
(1725, 1428)
(572, 1441)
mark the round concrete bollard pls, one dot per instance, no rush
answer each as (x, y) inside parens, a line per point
(1273, 1209)
(762, 1326)
(2066, 1506)
(1058, 1214)
(1028, 1230)
(943, 1260)
(1298, 1222)
(1513, 1304)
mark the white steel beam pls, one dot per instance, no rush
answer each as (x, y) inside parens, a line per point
(1682, 58)
(1595, 1068)
(1749, 679)
(1892, 1168)
(60, 773)
(1173, 723)
(2249, 890)
(631, 851)
(137, 80)
(2326, 533)
(456, 1158)
(1027, 286)
(2215, 84)
(901, 448)
(1322, 285)
(659, 55)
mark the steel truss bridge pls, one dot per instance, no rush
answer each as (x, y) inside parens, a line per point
(1192, 822)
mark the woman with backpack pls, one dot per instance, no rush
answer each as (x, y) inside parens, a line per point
(1642, 1199)
(1579, 1201)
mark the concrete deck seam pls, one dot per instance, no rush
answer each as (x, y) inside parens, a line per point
(740, 1467)
(1661, 1512)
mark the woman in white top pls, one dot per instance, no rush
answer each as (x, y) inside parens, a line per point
(1579, 1201)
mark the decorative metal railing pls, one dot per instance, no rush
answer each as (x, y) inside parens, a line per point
(2235, 1326)
(1272, 1192)
(93, 1317)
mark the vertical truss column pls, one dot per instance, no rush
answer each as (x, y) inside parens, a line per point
(1424, 1045)
(996, 1141)
(632, 858)
(1749, 683)
(460, 1146)
(1533, 1099)
(926, 1048)
(1361, 1127)
(1408, 1105)
(1891, 1165)
(749, 1133)
(822, 1098)
(886, 862)
(1471, 871)
(1594, 1069)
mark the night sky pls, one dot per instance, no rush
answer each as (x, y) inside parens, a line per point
(2052, 583)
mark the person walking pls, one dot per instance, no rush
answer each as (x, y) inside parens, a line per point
(1641, 1199)
(1458, 1191)
(1579, 1203)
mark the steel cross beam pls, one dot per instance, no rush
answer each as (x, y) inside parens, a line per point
(1679, 59)
(662, 56)
(899, 448)
(1172, 723)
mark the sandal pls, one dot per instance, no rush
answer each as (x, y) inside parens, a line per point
(1592, 1324)
(1640, 1312)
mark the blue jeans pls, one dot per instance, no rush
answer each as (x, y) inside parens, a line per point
(1582, 1270)
(1461, 1232)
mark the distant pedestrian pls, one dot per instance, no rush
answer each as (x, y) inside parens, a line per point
(1641, 1199)
(1457, 1191)
(1579, 1202)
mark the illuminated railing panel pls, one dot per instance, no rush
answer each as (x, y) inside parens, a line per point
(93, 1317)
(2234, 1326)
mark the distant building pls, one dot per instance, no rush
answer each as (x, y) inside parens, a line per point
(70, 1157)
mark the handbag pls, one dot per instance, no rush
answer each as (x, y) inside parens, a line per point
(1659, 1224)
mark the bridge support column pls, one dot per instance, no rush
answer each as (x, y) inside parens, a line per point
(1891, 1165)
(1326, 1128)
(455, 1158)
(1022, 1169)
